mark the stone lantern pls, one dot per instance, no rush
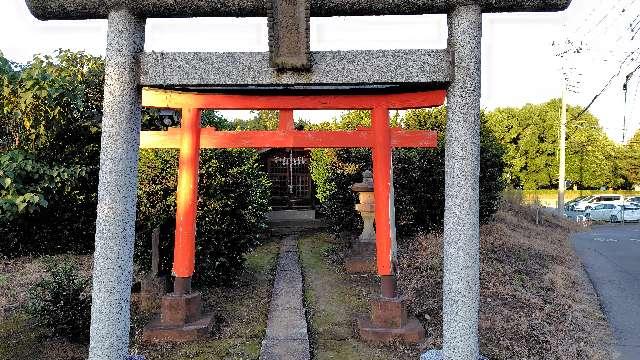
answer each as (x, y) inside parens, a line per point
(362, 258)
(366, 207)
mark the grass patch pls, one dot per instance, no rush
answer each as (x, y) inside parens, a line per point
(19, 274)
(333, 300)
(240, 312)
(17, 340)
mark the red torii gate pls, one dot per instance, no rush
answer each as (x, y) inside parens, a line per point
(190, 138)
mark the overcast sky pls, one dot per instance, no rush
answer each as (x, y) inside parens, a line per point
(519, 62)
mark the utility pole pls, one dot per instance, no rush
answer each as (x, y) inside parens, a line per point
(563, 136)
(625, 86)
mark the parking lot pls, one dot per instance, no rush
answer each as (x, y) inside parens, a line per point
(610, 254)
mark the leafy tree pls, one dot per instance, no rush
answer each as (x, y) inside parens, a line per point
(50, 110)
(260, 120)
(632, 160)
(7, 127)
(530, 135)
(26, 184)
(55, 104)
(212, 118)
(418, 174)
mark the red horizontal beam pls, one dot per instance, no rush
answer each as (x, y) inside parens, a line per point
(210, 138)
(179, 100)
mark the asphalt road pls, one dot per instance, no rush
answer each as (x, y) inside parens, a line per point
(611, 257)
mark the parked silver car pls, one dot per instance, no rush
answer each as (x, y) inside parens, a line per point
(613, 213)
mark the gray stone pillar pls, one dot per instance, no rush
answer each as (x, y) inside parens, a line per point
(461, 289)
(115, 225)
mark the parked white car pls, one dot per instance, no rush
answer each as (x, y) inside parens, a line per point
(591, 201)
(633, 200)
(613, 213)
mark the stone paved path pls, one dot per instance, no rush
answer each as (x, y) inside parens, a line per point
(287, 337)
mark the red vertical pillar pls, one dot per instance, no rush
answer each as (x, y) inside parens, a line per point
(382, 189)
(286, 120)
(187, 199)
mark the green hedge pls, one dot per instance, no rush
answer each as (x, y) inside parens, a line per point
(44, 208)
(418, 174)
(232, 206)
(50, 111)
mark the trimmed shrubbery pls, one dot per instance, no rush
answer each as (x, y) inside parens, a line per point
(418, 174)
(232, 206)
(43, 207)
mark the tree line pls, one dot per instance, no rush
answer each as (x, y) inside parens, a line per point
(50, 128)
(530, 136)
(51, 108)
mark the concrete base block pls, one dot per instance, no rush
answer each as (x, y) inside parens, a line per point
(181, 319)
(412, 332)
(389, 312)
(156, 331)
(181, 309)
(389, 322)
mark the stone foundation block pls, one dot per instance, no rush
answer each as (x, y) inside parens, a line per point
(181, 309)
(389, 322)
(157, 331)
(388, 312)
(181, 319)
(412, 332)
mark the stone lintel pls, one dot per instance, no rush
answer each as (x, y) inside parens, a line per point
(99, 9)
(357, 68)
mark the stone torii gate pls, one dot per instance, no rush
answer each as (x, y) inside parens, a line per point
(289, 66)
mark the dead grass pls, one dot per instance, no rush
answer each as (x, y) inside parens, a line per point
(19, 274)
(240, 312)
(333, 299)
(19, 338)
(536, 302)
